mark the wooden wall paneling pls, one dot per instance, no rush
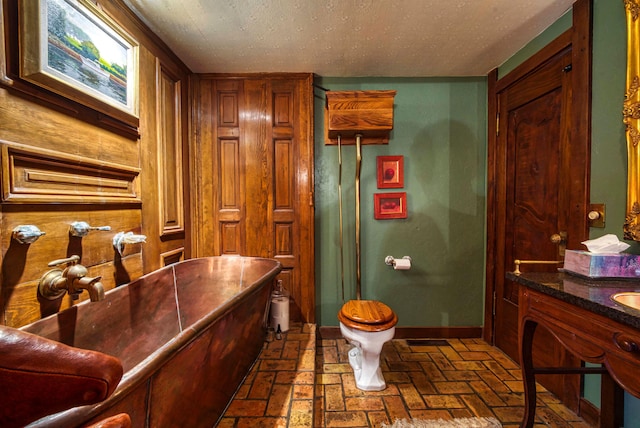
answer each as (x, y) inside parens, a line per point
(32, 124)
(201, 153)
(161, 146)
(252, 141)
(3, 53)
(170, 172)
(120, 172)
(171, 257)
(3, 251)
(40, 175)
(149, 158)
(25, 262)
(283, 99)
(257, 162)
(304, 180)
(22, 309)
(228, 169)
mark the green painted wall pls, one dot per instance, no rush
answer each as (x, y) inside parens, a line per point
(608, 144)
(440, 129)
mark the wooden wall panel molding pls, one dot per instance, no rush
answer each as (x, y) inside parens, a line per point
(4, 78)
(283, 237)
(33, 175)
(230, 238)
(283, 114)
(283, 168)
(228, 109)
(172, 256)
(170, 171)
(229, 174)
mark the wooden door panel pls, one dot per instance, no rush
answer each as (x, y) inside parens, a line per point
(227, 169)
(530, 136)
(261, 169)
(286, 142)
(533, 137)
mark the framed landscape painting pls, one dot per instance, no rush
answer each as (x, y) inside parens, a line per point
(72, 48)
(389, 205)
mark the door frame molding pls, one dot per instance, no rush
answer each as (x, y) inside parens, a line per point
(579, 38)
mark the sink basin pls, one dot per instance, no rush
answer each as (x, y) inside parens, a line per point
(630, 299)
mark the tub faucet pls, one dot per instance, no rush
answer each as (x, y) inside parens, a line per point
(73, 279)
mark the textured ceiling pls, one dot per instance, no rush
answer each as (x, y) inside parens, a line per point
(341, 38)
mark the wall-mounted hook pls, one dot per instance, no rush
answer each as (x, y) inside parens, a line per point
(82, 228)
(26, 233)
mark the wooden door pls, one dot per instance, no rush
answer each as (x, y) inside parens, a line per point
(533, 136)
(538, 181)
(255, 164)
(536, 191)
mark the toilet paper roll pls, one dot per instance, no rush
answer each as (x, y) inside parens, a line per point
(402, 264)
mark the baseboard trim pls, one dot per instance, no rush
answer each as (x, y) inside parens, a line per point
(416, 333)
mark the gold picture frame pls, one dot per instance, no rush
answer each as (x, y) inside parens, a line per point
(631, 119)
(72, 48)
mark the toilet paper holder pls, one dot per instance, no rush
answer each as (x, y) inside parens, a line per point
(391, 261)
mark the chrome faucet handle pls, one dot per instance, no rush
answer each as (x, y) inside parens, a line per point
(72, 260)
(82, 228)
(26, 233)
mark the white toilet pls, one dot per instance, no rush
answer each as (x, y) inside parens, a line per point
(367, 325)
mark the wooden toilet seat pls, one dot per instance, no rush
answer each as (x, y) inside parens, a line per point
(367, 315)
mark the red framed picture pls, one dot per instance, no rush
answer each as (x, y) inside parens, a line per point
(390, 172)
(389, 205)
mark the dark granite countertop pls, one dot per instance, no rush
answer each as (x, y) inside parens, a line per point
(591, 294)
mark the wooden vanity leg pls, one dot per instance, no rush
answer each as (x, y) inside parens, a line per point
(527, 329)
(611, 403)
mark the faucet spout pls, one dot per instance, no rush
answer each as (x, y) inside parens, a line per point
(72, 280)
(92, 285)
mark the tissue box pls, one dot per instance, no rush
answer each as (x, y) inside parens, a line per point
(605, 265)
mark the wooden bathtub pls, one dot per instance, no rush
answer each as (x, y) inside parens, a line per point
(186, 334)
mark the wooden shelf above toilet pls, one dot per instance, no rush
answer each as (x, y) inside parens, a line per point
(348, 113)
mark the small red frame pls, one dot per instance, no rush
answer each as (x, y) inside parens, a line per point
(389, 205)
(390, 172)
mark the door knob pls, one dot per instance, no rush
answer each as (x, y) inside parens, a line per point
(560, 239)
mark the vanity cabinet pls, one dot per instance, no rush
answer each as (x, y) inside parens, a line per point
(583, 317)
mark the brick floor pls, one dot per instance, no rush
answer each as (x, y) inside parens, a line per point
(301, 381)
